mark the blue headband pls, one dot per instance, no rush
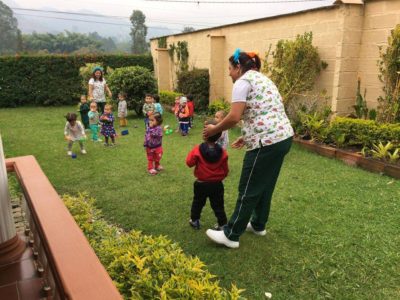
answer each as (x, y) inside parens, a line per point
(236, 55)
(97, 69)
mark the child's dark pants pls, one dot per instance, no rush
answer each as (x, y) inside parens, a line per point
(214, 191)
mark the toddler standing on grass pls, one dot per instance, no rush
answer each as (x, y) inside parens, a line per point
(107, 125)
(183, 115)
(153, 144)
(148, 109)
(190, 104)
(157, 105)
(83, 110)
(223, 141)
(74, 131)
(211, 167)
(94, 121)
(122, 110)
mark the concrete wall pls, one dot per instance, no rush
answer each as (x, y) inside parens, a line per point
(347, 37)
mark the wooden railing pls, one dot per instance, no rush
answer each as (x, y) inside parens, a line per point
(63, 257)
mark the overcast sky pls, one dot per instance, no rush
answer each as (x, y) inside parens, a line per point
(176, 15)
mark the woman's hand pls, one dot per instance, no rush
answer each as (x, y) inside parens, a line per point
(238, 144)
(209, 130)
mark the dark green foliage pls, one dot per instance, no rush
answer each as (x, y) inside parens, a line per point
(295, 66)
(358, 132)
(162, 42)
(389, 67)
(196, 83)
(361, 108)
(136, 82)
(52, 79)
(67, 42)
(10, 36)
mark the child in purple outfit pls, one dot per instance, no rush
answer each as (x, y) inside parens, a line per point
(107, 127)
(153, 144)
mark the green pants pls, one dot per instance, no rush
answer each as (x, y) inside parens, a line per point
(260, 172)
(94, 129)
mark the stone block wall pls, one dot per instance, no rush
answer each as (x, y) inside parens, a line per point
(347, 37)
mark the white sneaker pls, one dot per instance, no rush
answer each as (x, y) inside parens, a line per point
(83, 151)
(69, 153)
(220, 238)
(251, 229)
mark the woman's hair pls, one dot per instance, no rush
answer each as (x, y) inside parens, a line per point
(215, 137)
(94, 76)
(156, 98)
(71, 117)
(158, 117)
(247, 61)
(108, 106)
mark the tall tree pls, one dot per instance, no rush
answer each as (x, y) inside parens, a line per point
(10, 36)
(138, 32)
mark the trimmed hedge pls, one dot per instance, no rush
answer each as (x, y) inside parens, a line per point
(142, 266)
(53, 79)
(197, 83)
(168, 98)
(358, 132)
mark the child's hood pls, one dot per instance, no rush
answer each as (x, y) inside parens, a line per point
(211, 154)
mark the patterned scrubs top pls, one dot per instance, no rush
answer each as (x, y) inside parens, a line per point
(264, 117)
(98, 90)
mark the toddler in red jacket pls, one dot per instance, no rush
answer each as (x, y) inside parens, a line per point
(211, 167)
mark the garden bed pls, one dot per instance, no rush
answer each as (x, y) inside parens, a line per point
(352, 158)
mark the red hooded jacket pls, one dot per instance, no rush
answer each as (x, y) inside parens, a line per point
(204, 169)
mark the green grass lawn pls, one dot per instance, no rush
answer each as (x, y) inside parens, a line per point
(333, 231)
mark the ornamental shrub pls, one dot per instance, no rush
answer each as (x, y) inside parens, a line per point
(295, 66)
(53, 79)
(142, 266)
(389, 68)
(168, 97)
(358, 132)
(217, 105)
(136, 82)
(197, 83)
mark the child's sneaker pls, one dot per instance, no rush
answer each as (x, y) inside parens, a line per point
(195, 224)
(83, 151)
(217, 227)
(105, 145)
(159, 168)
(69, 153)
(153, 172)
(256, 232)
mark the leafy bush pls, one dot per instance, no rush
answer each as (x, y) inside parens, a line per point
(217, 105)
(142, 266)
(136, 82)
(389, 67)
(53, 79)
(357, 132)
(310, 116)
(196, 83)
(168, 97)
(295, 66)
